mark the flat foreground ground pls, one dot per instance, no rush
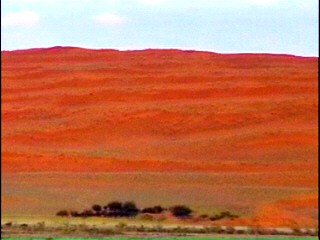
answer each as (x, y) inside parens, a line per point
(254, 196)
(57, 227)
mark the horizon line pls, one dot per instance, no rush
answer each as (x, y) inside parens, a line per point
(124, 49)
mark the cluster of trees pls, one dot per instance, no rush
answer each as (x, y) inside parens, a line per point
(112, 209)
(153, 210)
(129, 209)
(126, 209)
(222, 215)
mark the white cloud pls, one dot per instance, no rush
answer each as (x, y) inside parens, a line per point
(20, 19)
(109, 19)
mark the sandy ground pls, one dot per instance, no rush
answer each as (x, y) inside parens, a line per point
(285, 203)
(248, 121)
(22, 227)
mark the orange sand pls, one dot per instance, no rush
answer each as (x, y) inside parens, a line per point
(78, 110)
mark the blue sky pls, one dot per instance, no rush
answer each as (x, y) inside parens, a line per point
(224, 26)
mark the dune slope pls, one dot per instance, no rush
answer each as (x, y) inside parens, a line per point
(159, 110)
(68, 109)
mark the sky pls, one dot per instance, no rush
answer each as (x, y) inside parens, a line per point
(223, 26)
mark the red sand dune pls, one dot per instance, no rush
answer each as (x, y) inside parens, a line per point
(158, 110)
(296, 211)
(78, 110)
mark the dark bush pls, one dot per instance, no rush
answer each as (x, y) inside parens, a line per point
(153, 210)
(96, 208)
(240, 231)
(216, 217)
(114, 206)
(222, 215)
(113, 209)
(158, 209)
(62, 213)
(228, 214)
(129, 209)
(87, 213)
(75, 214)
(147, 210)
(225, 214)
(181, 211)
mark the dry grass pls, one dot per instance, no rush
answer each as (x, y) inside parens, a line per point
(56, 227)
